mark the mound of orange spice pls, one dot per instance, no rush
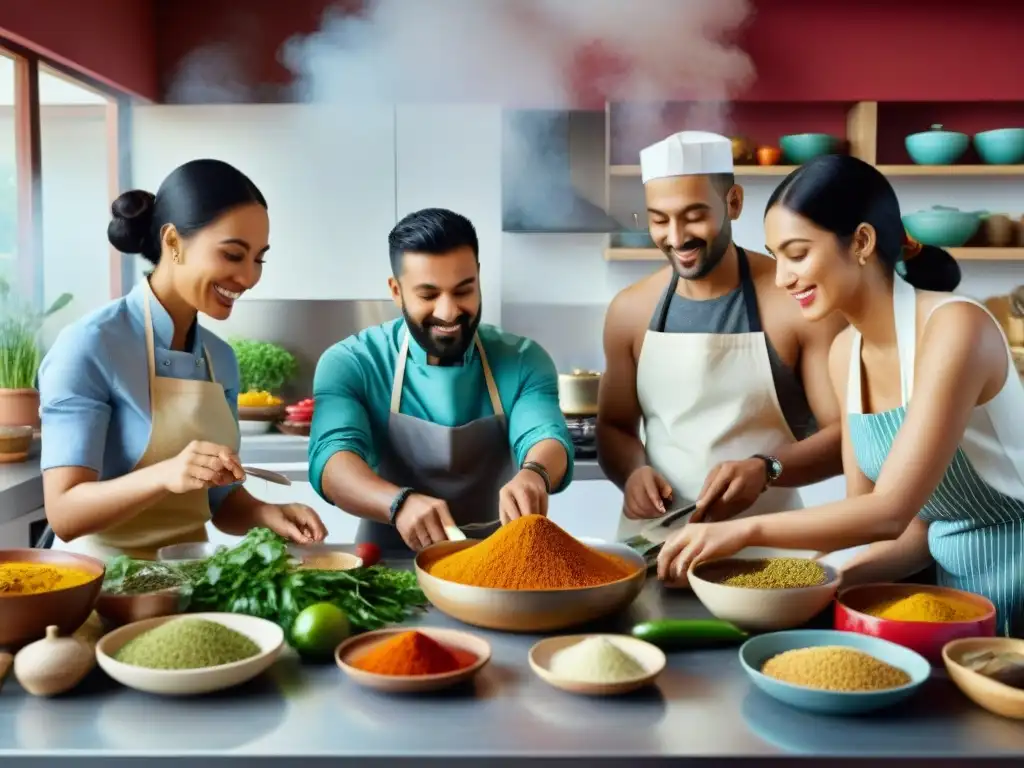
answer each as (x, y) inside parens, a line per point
(411, 654)
(531, 552)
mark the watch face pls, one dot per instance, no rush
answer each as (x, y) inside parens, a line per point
(776, 469)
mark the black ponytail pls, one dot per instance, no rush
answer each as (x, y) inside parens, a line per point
(838, 193)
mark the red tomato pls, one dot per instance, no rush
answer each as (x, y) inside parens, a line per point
(368, 552)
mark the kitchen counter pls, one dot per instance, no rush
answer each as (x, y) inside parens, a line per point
(703, 707)
(21, 484)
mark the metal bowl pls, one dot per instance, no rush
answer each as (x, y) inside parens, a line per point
(127, 609)
(24, 618)
(527, 610)
(184, 553)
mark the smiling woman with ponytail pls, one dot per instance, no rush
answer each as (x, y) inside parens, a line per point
(933, 441)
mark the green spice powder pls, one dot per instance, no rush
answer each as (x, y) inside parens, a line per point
(187, 643)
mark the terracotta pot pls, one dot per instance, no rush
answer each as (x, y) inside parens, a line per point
(19, 408)
(768, 155)
(999, 230)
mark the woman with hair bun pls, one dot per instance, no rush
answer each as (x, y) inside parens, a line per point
(139, 402)
(933, 442)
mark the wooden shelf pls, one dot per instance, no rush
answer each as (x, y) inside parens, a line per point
(888, 170)
(741, 170)
(961, 254)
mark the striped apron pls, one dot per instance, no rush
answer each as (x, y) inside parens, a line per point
(976, 515)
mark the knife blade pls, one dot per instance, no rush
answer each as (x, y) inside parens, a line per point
(652, 537)
(266, 474)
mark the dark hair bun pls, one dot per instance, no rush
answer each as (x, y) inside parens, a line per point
(933, 269)
(132, 222)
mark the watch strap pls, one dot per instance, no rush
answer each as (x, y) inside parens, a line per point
(397, 502)
(533, 466)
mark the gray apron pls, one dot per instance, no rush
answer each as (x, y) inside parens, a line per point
(464, 466)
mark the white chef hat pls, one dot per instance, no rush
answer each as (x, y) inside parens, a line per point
(687, 153)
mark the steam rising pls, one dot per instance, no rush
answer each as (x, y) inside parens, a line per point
(525, 53)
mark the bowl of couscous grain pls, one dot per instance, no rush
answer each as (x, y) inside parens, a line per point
(764, 594)
(830, 672)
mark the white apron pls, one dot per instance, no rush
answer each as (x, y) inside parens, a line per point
(181, 411)
(708, 398)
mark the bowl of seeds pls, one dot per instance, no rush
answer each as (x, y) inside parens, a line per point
(831, 672)
(764, 594)
(192, 654)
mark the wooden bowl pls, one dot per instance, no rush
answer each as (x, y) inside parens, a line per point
(760, 610)
(185, 682)
(528, 610)
(925, 637)
(451, 638)
(127, 609)
(261, 413)
(650, 657)
(15, 443)
(996, 697)
(296, 428)
(24, 618)
(331, 561)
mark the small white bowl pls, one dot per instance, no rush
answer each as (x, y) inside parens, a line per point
(185, 682)
(650, 657)
(251, 427)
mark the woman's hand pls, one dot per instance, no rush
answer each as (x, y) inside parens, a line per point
(296, 522)
(201, 465)
(697, 542)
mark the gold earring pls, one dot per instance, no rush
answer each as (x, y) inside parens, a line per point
(863, 260)
(174, 256)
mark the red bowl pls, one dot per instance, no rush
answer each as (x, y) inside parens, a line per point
(925, 637)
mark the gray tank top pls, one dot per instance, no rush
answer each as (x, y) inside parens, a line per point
(736, 312)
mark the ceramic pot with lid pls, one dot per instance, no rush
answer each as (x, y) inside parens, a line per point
(577, 392)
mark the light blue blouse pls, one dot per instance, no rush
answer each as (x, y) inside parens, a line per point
(94, 386)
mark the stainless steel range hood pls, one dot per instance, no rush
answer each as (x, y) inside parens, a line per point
(553, 173)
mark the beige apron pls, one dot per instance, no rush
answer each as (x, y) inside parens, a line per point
(465, 466)
(181, 411)
(708, 398)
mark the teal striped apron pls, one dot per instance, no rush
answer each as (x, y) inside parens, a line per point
(975, 532)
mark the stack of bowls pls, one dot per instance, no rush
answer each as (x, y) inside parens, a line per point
(759, 610)
(925, 637)
(24, 618)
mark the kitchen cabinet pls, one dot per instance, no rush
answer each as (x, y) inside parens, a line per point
(327, 171)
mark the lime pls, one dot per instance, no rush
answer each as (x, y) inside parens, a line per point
(318, 630)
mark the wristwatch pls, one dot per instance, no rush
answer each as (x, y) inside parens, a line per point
(772, 468)
(397, 502)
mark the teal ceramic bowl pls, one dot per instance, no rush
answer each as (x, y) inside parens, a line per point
(942, 227)
(756, 651)
(800, 148)
(936, 147)
(1004, 146)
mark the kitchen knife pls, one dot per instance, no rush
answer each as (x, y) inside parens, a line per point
(266, 474)
(649, 541)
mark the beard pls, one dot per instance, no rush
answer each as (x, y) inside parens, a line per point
(448, 348)
(710, 256)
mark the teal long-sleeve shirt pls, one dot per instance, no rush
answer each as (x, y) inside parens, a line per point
(352, 392)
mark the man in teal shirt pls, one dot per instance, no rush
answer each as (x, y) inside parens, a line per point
(436, 421)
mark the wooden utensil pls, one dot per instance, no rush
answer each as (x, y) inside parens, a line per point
(6, 660)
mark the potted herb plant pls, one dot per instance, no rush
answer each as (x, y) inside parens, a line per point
(20, 355)
(264, 369)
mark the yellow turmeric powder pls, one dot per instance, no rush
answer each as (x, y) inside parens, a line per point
(531, 552)
(923, 606)
(35, 578)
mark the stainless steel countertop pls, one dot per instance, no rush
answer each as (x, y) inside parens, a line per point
(703, 706)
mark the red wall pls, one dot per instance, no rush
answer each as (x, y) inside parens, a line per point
(804, 50)
(113, 41)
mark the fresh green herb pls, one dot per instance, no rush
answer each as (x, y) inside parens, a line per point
(262, 365)
(20, 350)
(125, 576)
(258, 577)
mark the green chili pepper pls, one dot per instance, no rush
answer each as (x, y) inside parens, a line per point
(688, 632)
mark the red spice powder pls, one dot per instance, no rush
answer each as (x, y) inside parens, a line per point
(412, 653)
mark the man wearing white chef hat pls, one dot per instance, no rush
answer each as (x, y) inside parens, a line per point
(729, 382)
